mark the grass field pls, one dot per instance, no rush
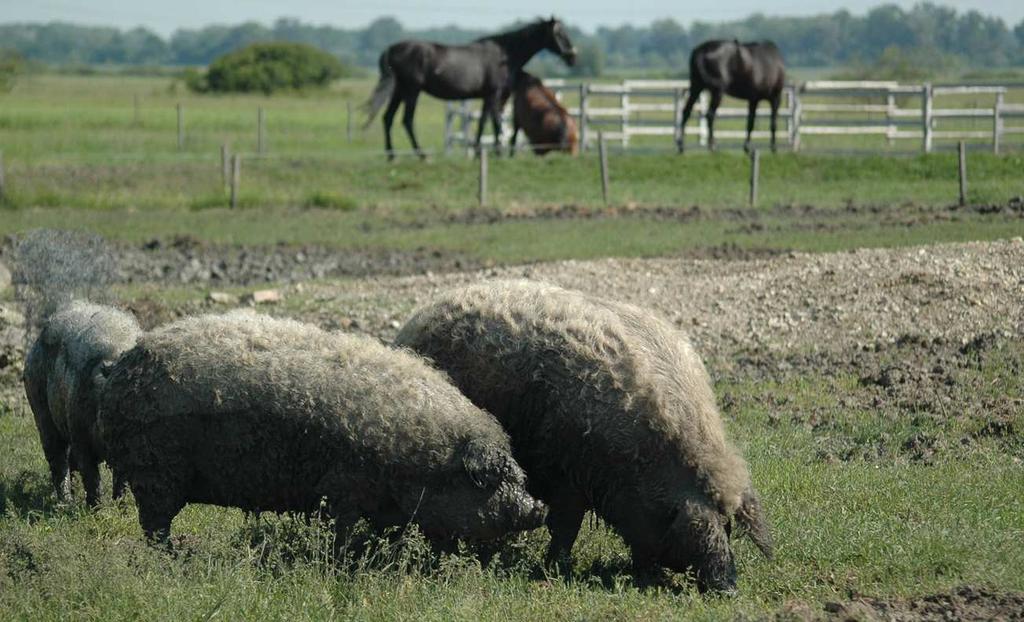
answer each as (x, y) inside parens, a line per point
(853, 511)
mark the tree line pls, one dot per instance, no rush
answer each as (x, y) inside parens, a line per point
(927, 33)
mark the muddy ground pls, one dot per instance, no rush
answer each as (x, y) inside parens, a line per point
(901, 333)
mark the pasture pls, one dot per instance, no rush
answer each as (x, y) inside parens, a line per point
(864, 333)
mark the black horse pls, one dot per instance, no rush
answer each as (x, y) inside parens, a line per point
(750, 71)
(483, 69)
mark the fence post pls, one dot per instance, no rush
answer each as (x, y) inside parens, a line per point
(482, 189)
(890, 114)
(583, 115)
(755, 173)
(602, 152)
(677, 114)
(624, 116)
(3, 187)
(997, 123)
(236, 178)
(261, 143)
(181, 126)
(795, 112)
(135, 107)
(926, 117)
(348, 120)
(963, 173)
(225, 166)
(448, 116)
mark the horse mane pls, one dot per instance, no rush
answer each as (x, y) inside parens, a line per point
(516, 33)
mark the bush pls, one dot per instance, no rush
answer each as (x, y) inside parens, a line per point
(11, 64)
(267, 68)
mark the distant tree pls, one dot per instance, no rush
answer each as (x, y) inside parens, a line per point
(589, 61)
(381, 33)
(11, 64)
(199, 47)
(267, 68)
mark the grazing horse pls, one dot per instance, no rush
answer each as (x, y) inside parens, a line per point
(540, 115)
(483, 69)
(750, 71)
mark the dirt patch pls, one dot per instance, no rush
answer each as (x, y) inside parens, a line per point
(187, 260)
(963, 603)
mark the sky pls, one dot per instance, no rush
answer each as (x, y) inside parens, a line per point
(164, 17)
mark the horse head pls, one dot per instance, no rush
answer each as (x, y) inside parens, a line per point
(558, 41)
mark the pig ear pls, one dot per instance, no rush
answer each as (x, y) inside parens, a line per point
(750, 517)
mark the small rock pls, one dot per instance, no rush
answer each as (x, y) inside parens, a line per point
(222, 298)
(345, 323)
(395, 324)
(264, 296)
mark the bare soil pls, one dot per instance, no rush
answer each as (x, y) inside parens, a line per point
(963, 603)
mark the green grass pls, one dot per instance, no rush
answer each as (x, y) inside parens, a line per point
(881, 526)
(75, 157)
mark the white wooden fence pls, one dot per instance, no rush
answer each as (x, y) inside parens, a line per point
(636, 108)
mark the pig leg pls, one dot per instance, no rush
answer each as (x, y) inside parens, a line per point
(88, 466)
(564, 521)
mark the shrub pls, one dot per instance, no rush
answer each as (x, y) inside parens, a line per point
(268, 67)
(11, 64)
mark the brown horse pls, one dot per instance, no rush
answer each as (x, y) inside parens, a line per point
(540, 115)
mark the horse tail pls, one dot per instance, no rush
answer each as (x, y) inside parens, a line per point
(382, 92)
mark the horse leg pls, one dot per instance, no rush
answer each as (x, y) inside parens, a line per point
(389, 118)
(515, 134)
(751, 113)
(775, 101)
(407, 116)
(716, 100)
(690, 101)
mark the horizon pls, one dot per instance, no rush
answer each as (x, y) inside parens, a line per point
(154, 17)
